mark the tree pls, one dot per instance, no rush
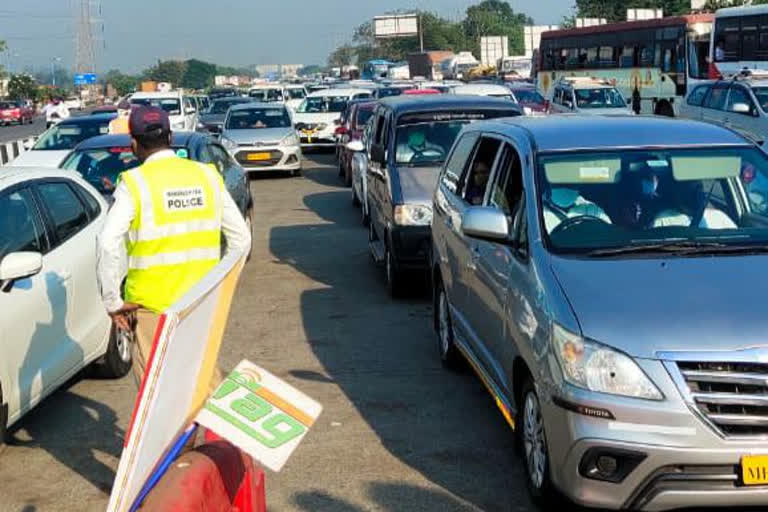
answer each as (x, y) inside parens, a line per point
(495, 18)
(123, 84)
(167, 71)
(198, 74)
(344, 55)
(22, 87)
(616, 10)
(311, 69)
(3, 48)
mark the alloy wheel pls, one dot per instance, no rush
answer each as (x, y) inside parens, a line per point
(534, 441)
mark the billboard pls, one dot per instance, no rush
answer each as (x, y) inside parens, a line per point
(177, 378)
(492, 49)
(532, 36)
(644, 14)
(396, 25)
(590, 22)
(85, 78)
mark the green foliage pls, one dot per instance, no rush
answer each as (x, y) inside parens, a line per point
(123, 84)
(198, 74)
(495, 18)
(22, 87)
(167, 71)
(713, 5)
(616, 10)
(342, 56)
(233, 71)
(312, 69)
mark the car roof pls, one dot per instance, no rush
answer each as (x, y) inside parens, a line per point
(584, 132)
(481, 89)
(156, 94)
(430, 102)
(338, 92)
(257, 104)
(89, 119)
(10, 175)
(124, 140)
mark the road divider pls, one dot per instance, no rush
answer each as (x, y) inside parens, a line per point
(10, 150)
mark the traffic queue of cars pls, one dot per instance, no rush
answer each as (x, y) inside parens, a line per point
(594, 270)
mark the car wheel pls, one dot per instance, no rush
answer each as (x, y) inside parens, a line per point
(394, 276)
(117, 361)
(249, 223)
(449, 354)
(534, 446)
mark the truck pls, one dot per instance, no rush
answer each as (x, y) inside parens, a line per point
(458, 66)
(428, 64)
(515, 67)
(492, 49)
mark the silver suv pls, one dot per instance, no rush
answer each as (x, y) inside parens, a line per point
(740, 104)
(607, 287)
(587, 96)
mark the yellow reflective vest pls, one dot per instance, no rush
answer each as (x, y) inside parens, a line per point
(175, 236)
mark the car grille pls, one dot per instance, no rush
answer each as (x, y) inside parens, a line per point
(733, 396)
(274, 158)
(684, 479)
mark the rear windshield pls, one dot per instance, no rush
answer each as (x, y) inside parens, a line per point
(296, 94)
(101, 167)
(599, 98)
(323, 104)
(222, 106)
(67, 136)
(267, 94)
(170, 105)
(252, 119)
(528, 96)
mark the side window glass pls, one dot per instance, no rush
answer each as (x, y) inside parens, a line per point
(521, 230)
(479, 172)
(716, 98)
(220, 158)
(696, 98)
(379, 128)
(508, 184)
(67, 212)
(91, 204)
(20, 228)
(454, 168)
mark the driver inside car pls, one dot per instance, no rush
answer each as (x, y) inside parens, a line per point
(562, 203)
(478, 183)
(417, 146)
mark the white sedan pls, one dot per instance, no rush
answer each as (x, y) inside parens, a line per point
(53, 323)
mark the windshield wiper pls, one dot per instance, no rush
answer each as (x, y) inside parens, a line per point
(682, 247)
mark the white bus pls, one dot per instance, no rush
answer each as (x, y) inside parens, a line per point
(740, 40)
(654, 61)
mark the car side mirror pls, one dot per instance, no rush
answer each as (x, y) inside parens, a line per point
(18, 265)
(486, 223)
(355, 146)
(378, 154)
(741, 108)
(215, 128)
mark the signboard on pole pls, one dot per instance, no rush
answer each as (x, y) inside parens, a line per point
(493, 49)
(177, 379)
(85, 78)
(532, 36)
(396, 25)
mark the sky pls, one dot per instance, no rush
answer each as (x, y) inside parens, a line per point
(228, 32)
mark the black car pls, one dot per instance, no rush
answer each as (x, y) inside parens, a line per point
(100, 161)
(410, 141)
(212, 120)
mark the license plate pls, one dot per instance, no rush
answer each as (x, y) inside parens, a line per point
(257, 157)
(754, 470)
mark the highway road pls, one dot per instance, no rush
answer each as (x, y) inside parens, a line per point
(17, 132)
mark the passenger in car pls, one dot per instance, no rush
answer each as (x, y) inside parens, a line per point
(479, 181)
(563, 203)
(696, 205)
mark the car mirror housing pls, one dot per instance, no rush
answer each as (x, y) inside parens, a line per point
(19, 265)
(356, 146)
(741, 108)
(486, 223)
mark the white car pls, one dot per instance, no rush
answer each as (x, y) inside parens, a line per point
(267, 93)
(294, 95)
(317, 115)
(492, 90)
(587, 96)
(261, 137)
(181, 109)
(53, 322)
(74, 103)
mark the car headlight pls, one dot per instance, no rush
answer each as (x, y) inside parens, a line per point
(290, 140)
(413, 215)
(178, 126)
(595, 367)
(228, 143)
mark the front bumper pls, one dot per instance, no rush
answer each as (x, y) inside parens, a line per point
(683, 461)
(281, 158)
(411, 245)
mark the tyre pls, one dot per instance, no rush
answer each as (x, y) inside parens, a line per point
(533, 441)
(394, 276)
(665, 109)
(117, 361)
(249, 223)
(450, 356)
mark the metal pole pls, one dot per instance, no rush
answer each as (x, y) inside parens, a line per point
(53, 72)
(421, 34)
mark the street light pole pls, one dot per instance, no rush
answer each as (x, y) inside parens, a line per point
(421, 33)
(54, 60)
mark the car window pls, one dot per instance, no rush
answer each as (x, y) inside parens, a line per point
(67, 212)
(508, 182)
(101, 166)
(479, 172)
(599, 97)
(379, 131)
(521, 230)
(91, 204)
(696, 98)
(739, 95)
(257, 118)
(454, 168)
(20, 228)
(717, 96)
(171, 105)
(68, 135)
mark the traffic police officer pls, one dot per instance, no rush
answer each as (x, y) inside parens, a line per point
(166, 221)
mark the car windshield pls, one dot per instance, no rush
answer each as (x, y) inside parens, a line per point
(101, 167)
(363, 116)
(296, 94)
(528, 96)
(170, 105)
(323, 104)
(761, 93)
(602, 97)
(222, 106)
(637, 200)
(267, 94)
(389, 91)
(67, 136)
(255, 118)
(426, 144)
(502, 96)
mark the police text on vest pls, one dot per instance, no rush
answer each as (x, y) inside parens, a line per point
(184, 199)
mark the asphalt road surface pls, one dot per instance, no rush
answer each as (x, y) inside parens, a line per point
(17, 132)
(398, 433)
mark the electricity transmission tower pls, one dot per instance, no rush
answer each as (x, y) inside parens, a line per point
(86, 23)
